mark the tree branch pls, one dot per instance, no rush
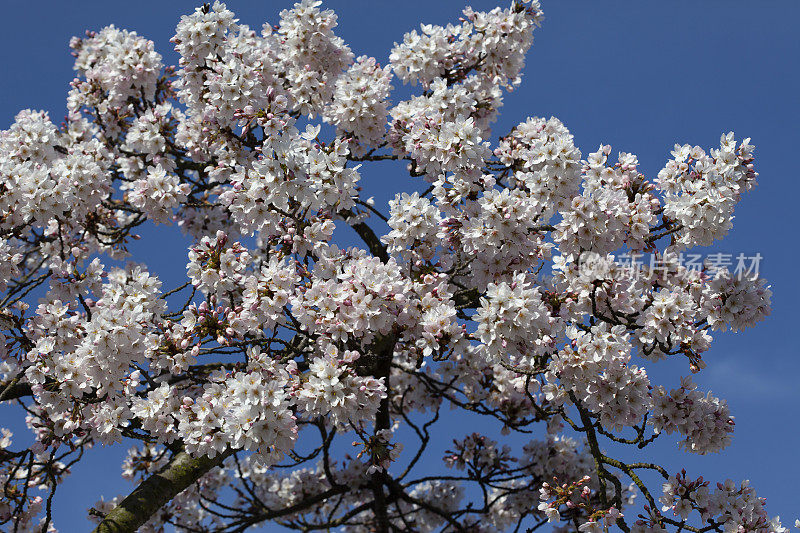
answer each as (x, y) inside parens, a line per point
(13, 389)
(372, 241)
(156, 491)
(384, 348)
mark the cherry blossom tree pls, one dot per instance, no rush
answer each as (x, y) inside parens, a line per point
(302, 382)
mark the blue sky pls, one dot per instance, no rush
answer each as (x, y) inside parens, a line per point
(640, 76)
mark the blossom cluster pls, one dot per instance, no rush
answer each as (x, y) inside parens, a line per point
(704, 419)
(596, 370)
(701, 189)
(360, 101)
(734, 507)
(513, 321)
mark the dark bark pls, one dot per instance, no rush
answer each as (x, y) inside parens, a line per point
(12, 390)
(156, 491)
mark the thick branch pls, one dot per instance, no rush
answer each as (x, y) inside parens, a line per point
(384, 349)
(467, 298)
(372, 241)
(12, 390)
(156, 491)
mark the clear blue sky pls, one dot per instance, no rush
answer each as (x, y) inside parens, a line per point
(640, 76)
